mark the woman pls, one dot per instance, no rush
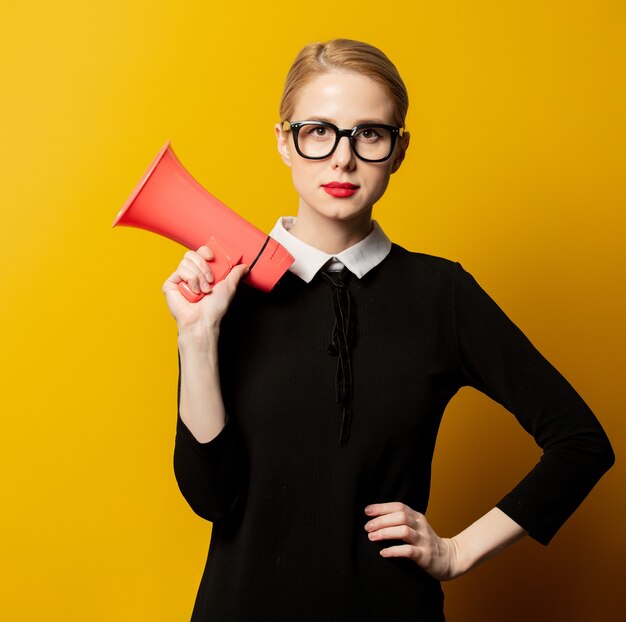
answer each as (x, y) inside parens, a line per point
(308, 416)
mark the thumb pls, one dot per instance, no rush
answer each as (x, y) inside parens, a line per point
(237, 273)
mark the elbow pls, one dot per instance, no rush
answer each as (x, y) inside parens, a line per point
(590, 455)
(603, 459)
(210, 492)
(209, 512)
(210, 504)
(598, 456)
(607, 459)
(602, 452)
(192, 493)
(210, 476)
(201, 509)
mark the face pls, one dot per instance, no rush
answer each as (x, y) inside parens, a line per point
(345, 98)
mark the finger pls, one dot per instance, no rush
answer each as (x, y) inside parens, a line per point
(172, 281)
(388, 520)
(206, 252)
(399, 532)
(375, 509)
(402, 550)
(194, 259)
(196, 263)
(243, 269)
(206, 255)
(190, 273)
(236, 274)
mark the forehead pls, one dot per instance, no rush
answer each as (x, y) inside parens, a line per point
(344, 98)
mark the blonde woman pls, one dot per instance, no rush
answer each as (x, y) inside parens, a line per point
(308, 416)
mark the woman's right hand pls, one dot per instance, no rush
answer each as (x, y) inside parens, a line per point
(206, 314)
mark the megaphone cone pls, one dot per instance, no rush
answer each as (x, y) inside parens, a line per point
(169, 201)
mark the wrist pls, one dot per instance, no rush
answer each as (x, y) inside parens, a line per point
(198, 337)
(459, 561)
(485, 538)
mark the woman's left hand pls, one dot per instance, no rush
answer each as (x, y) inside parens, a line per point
(396, 521)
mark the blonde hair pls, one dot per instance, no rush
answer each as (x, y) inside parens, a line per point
(317, 58)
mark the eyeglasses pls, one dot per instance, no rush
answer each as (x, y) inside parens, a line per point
(316, 140)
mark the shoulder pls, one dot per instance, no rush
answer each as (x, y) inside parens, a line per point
(419, 271)
(420, 277)
(423, 265)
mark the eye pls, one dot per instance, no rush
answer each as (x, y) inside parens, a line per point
(370, 134)
(316, 131)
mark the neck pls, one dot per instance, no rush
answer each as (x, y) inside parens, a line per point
(330, 235)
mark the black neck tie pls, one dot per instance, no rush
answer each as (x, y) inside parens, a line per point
(341, 340)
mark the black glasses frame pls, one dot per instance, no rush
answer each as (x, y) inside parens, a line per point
(340, 133)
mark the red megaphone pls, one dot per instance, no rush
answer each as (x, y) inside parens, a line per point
(169, 201)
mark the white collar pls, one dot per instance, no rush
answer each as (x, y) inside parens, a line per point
(359, 258)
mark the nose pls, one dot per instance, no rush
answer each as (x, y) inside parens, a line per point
(343, 156)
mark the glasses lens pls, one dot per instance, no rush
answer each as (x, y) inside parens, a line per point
(373, 142)
(316, 141)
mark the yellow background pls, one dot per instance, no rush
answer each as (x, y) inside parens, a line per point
(516, 168)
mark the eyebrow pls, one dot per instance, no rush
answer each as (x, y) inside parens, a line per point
(359, 122)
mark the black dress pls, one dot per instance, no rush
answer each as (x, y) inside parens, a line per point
(334, 394)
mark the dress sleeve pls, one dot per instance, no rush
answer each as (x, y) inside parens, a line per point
(499, 360)
(209, 474)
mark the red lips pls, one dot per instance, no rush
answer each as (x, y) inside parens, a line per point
(337, 184)
(340, 190)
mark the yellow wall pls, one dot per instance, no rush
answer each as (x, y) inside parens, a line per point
(516, 169)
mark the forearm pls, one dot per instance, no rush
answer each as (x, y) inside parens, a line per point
(488, 536)
(201, 404)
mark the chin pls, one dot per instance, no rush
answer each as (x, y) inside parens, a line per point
(346, 213)
(331, 208)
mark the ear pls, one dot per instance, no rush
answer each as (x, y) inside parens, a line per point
(403, 145)
(283, 144)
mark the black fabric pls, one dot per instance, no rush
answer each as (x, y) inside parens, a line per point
(340, 344)
(287, 499)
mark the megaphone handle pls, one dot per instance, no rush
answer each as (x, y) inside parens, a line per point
(190, 295)
(224, 258)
